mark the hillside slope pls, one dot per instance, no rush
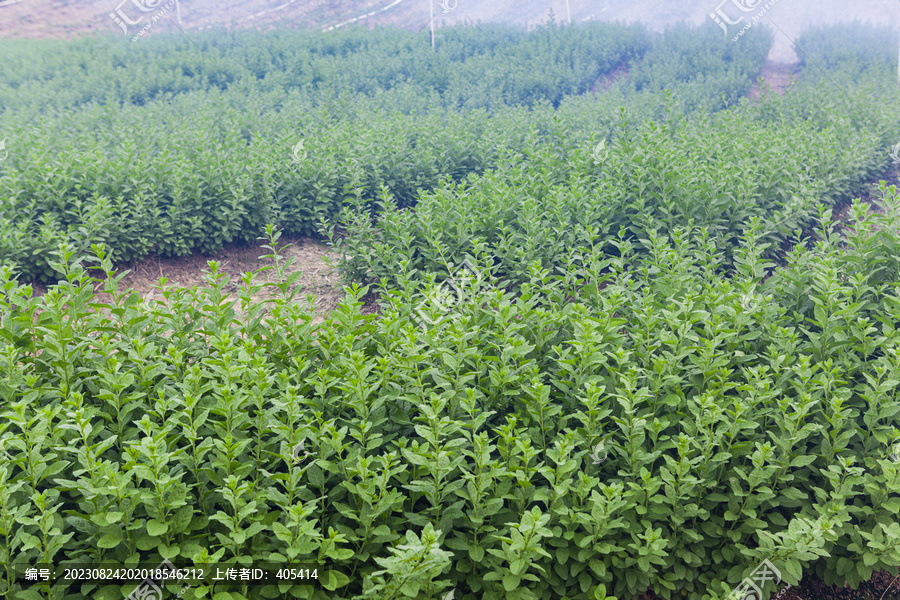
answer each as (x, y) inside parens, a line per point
(65, 18)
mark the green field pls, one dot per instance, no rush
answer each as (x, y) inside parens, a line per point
(623, 350)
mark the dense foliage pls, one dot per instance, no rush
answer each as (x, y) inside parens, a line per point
(546, 63)
(603, 432)
(699, 55)
(717, 172)
(172, 149)
(852, 47)
(624, 395)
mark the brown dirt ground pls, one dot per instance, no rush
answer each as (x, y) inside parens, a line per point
(618, 72)
(309, 257)
(776, 78)
(871, 196)
(882, 586)
(840, 212)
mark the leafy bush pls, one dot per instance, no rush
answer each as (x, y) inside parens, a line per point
(214, 155)
(113, 70)
(626, 397)
(853, 47)
(685, 54)
(716, 172)
(606, 431)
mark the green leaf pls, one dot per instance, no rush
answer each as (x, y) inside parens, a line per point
(511, 582)
(181, 519)
(803, 460)
(332, 580)
(155, 528)
(110, 540)
(339, 553)
(794, 571)
(476, 552)
(146, 542)
(844, 565)
(109, 592)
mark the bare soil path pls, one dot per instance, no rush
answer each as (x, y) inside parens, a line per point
(776, 78)
(619, 72)
(309, 258)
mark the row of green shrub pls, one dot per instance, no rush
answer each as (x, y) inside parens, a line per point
(851, 47)
(518, 67)
(194, 169)
(656, 408)
(626, 424)
(473, 66)
(725, 71)
(777, 161)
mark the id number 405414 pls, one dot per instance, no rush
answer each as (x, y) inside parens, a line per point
(297, 574)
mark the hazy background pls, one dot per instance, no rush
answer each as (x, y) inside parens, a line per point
(67, 18)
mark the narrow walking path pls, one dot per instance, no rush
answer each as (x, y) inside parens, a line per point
(776, 78)
(309, 258)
